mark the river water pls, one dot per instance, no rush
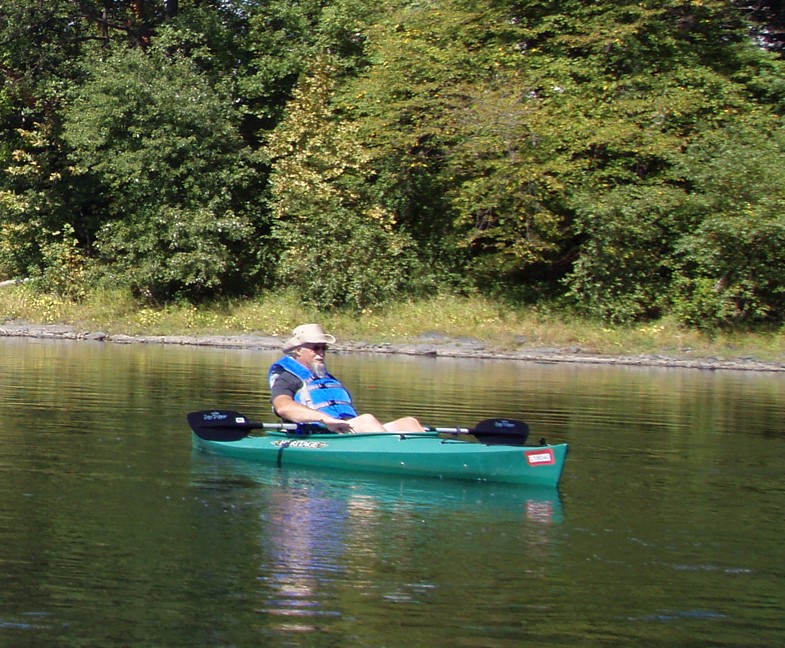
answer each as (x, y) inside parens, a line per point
(665, 531)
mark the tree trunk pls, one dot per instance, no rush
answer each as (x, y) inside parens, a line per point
(171, 8)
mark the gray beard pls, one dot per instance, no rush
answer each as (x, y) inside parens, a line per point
(320, 369)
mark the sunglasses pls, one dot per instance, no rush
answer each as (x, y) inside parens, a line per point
(316, 348)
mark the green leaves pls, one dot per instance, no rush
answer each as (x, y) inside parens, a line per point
(620, 155)
(165, 147)
(340, 247)
(625, 256)
(731, 264)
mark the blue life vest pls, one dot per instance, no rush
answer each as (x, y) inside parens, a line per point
(326, 394)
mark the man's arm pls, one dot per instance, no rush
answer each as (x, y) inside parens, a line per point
(287, 408)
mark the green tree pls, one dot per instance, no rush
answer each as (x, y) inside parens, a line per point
(410, 105)
(178, 183)
(526, 147)
(642, 81)
(524, 143)
(39, 44)
(340, 246)
(730, 267)
(284, 40)
(47, 214)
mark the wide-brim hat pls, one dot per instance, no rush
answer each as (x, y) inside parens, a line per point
(307, 334)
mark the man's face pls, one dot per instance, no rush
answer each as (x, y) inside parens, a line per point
(312, 356)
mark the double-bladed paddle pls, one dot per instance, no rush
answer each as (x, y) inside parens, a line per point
(226, 425)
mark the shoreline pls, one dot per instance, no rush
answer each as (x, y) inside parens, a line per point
(431, 344)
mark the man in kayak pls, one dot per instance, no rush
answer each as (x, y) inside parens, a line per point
(303, 391)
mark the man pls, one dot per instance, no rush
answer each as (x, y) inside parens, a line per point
(303, 391)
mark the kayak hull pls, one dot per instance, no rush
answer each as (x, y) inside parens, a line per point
(416, 453)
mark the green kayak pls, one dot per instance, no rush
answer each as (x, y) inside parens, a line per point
(473, 454)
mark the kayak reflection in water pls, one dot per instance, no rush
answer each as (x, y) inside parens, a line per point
(303, 391)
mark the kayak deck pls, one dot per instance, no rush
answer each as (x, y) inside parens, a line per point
(411, 453)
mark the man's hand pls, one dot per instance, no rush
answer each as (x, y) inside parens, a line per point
(337, 425)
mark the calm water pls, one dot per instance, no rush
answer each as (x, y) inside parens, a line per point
(666, 530)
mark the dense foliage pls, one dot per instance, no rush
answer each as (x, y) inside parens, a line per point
(621, 158)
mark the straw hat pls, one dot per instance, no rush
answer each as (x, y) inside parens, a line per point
(307, 334)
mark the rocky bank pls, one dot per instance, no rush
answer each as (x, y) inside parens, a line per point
(434, 344)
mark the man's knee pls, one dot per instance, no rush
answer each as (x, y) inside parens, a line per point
(366, 423)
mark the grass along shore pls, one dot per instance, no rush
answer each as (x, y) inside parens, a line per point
(498, 326)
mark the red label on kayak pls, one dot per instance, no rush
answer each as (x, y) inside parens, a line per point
(542, 457)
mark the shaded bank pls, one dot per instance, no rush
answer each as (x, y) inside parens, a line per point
(433, 344)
